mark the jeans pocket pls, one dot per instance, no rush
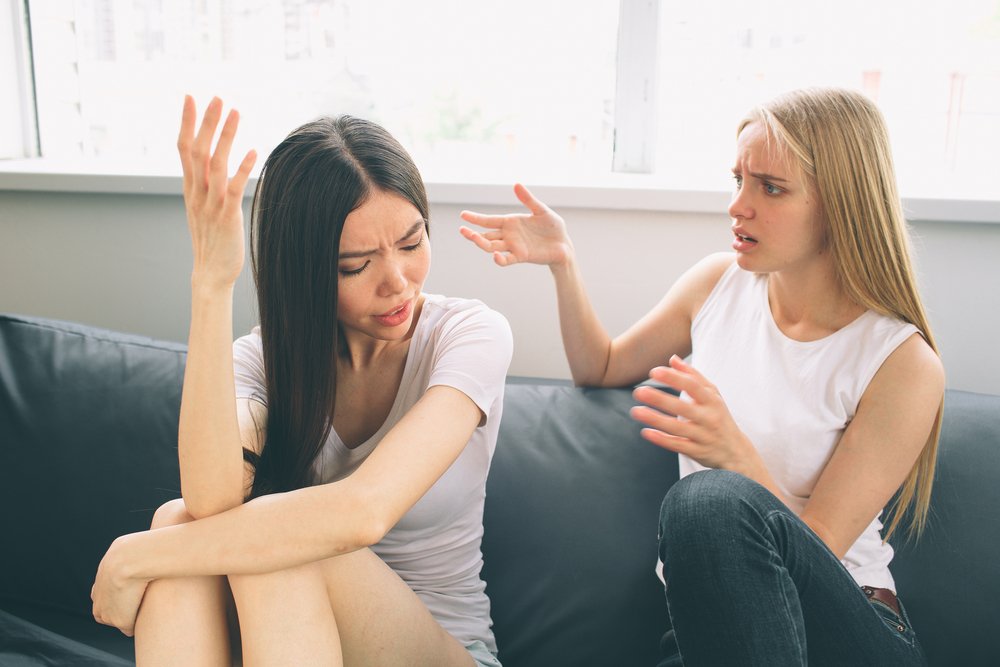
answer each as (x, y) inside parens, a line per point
(898, 624)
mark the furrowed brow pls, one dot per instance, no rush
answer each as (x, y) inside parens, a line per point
(768, 177)
(365, 253)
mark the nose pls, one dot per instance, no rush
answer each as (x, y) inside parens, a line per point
(740, 206)
(394, 280)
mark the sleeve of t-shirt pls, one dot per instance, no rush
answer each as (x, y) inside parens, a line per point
(473, 354)
(248, 367)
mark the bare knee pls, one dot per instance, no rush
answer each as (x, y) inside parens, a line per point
(305, 577)
(171, 513)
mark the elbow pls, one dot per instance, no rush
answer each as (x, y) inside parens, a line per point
(201, 507)
(373, 525)
(586, 380)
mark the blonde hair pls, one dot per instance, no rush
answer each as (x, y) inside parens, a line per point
(840, 141)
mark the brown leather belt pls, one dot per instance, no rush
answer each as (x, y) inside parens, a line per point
(883, 595)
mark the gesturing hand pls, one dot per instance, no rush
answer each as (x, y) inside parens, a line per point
(538, 237)
(214, 202)
(701, 428)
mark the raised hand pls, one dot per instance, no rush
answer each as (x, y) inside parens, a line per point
(537, 237)
(214, 202)
(701, 428)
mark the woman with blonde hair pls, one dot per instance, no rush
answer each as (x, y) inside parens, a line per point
(811, 397)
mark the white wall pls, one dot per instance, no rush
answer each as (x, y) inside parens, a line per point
(122, 262)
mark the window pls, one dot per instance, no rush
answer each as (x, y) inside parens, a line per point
(484, 88)
(539, 90)
(934, 70)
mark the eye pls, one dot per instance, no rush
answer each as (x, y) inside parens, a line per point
(772, 189)
(354, 272)
(411, 248)
(739, 181)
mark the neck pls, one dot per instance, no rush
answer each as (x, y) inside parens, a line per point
(360, 352)
(809, 305)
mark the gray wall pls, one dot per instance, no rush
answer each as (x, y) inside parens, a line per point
(123, 262)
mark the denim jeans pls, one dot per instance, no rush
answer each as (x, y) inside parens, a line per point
(748, 583)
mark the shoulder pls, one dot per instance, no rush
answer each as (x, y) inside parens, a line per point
(248, 352)
(446, 314)
(698, 282)
(913, 369)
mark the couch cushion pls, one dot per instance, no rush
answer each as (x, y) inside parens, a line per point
(949, 579)
(571, 514)
(88, 426)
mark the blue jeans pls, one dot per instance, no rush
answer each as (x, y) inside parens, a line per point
(748, 583)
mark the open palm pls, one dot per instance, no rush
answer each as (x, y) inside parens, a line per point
(536, 237)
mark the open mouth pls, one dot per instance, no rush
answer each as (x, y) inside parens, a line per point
(746, 239)
(395, 311)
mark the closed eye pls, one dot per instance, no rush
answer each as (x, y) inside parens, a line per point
(415, 246)
(354, 272)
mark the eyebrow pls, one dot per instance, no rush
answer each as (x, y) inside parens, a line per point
(764, 177)
(364, 253)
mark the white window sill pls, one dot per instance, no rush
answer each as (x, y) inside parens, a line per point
(614, 192)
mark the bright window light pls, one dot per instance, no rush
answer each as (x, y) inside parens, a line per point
(480, 90)
(523, 89)
(933, 69)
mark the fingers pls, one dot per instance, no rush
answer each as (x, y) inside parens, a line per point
(488, 221)
(201, 148)
(504, 259)
(489, 243)
(238, 183)
(529, 201)
(667, 441)
(219, 162)
(481, 241)
(186, 137)
(685, 378)
(663, 430)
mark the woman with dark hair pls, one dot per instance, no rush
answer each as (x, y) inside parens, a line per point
(333, 461)
(812, 395)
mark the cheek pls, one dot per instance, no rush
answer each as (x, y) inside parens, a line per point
(347, 297)
(421, 265)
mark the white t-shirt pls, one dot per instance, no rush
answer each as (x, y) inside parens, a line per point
(435, 547)
(793, 399)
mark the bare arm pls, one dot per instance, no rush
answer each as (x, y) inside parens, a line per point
(879, 447)
(595, 359)
(287, 529)
(209, 440)
(875, 454)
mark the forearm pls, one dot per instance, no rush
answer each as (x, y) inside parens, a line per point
(209, 447)
(586, 342)
(267, 534)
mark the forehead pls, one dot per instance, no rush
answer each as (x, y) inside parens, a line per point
(757, 149)
(383, 218)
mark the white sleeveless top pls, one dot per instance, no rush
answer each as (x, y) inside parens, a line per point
(793, 399)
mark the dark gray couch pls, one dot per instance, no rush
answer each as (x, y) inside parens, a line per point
(88, 422)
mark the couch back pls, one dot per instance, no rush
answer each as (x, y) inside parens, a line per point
(88, 422)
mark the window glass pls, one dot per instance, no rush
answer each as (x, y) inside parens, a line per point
(474, 90)
(933, 69)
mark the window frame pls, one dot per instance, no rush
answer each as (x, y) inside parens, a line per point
(631, 184)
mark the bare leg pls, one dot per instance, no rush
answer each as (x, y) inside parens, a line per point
(182, 621)
(348, 610)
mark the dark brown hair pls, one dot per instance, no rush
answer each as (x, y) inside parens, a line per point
(309, 184)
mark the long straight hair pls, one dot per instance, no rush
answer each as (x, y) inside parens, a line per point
(841, 143)
(310, 183)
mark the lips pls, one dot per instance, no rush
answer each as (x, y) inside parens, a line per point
(743, 242)
(395, 316)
